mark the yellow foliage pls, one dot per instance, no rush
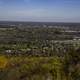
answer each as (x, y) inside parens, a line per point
(3, 62)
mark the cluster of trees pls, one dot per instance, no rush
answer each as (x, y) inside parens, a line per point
(38, 48)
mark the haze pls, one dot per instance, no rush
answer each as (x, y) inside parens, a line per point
(40, 10)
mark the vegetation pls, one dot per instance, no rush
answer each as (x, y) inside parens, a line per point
(40, 68)
(38, 54)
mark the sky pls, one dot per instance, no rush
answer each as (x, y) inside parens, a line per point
(40, 10)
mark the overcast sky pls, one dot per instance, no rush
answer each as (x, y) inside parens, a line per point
(40, 10)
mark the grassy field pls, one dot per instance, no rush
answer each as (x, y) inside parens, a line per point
(35, 68)
(30, 68)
